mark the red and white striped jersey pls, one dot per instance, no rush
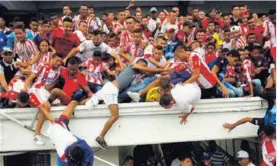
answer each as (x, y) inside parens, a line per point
(91, 23)
(249, 66)
(125, 38)
(25, 50)
(15, 87)
(177, 66)
(243, 30)
(45, 58)
(191, 36)
(241, 42)
(94, 73)
(118, 28)
(206, 79)
(269, 152)
(60, 24)
(270, 30)
(45, 75)
(134, 50)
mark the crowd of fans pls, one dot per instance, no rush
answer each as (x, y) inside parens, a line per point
(128, 57)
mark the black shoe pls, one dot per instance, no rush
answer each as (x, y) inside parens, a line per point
(102, 143)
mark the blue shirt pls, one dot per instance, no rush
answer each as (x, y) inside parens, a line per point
(3, 40)
(88, 154)
(11, 38)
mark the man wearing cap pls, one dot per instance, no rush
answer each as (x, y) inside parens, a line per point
(154, 21)
(7, 71)
(236, 35)
(243, 158)
(7, 68)
(206, 159)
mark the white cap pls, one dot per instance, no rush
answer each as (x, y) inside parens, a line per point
(242, 154)
(234, 28)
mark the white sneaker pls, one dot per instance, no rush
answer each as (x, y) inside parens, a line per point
(92, 102)
(134, 96)
(38, 140)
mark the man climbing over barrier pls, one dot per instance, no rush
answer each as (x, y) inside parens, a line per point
(71, 149)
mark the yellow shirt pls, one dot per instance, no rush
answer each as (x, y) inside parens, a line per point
(218, 39)
(153, 95)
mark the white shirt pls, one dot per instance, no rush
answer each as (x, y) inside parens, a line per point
(251, 164)
(152, 24)
(176, 162)
(167, 25)
(80, 35)
(186, 95)
(60, 137)
(87, 49)
(228, 45)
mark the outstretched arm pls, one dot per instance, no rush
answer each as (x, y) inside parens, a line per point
(231, 126)
(152, 70)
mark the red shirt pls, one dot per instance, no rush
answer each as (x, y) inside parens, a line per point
(63, 44)
(210, 57)
(205, 22)
(72, 85)
(258, 31)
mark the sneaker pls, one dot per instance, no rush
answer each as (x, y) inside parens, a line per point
(102, 143)
(38, 140)
(134, 96)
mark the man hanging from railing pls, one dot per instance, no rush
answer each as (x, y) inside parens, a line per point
(71, 149)
(267, 128)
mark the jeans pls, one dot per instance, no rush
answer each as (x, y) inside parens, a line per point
(233, 91)
(135, 88)
(257, 87)
(179, 76)
(94, 87)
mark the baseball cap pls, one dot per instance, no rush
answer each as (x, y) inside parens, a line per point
(189, 24)
(153, 9)
(234, 28)
(206, 156)
(6, 50)
(242, 155)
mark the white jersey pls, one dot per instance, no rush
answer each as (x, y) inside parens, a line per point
(87, 48)
(270, 30)
(60, 137)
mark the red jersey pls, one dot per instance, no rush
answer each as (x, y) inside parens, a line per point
(72, 85)
(258, 31)
(45, 75)
(63, 44)
(205, 22)
(206, 79)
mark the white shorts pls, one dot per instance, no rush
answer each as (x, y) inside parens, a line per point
(108, 93)
(41, 95)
